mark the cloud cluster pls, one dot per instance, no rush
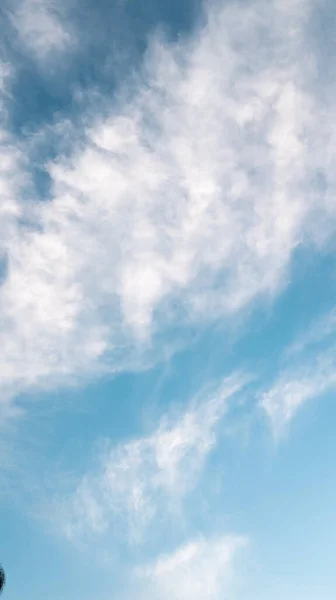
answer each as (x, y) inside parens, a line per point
(148, 477)
(181, 201)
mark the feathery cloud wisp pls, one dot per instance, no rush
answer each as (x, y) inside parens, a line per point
(308, 371)
(199, 570)
(41, 28)
(141, 479)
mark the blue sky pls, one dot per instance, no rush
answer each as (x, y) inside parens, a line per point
(167, 299)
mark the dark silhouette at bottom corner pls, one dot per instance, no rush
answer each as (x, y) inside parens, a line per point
(2, 579)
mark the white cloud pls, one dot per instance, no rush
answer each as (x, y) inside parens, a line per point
(147, 477)
(293, 389)
(308, 370)
(183, 203)
(41, 27)
(13, 179)
(200, 570)
(321, 331)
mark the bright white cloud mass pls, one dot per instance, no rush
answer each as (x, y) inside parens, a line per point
(189, 195)
(185, 201)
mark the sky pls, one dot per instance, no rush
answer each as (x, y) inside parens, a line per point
(167, 299)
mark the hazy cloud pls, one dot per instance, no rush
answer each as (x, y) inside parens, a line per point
(200, 570)
(42, 27)
(308, 370)
(147, 477)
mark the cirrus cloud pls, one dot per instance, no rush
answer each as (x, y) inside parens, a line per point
(145, 479)
(202, 569)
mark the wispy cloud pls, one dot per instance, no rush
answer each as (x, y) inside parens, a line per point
(308, 371)
(199, 570)
(13, 181)
(181, 201)
(42, 27)
(295, 387)
(322, 331)
(147, 477)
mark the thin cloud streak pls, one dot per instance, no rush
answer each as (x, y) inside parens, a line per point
(308, 371)
(202, 569)
(293, 389)
(146, 478)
